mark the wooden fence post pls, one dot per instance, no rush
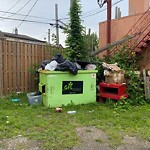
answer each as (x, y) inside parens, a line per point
(1, 66)
(146, 84)
(144, 77)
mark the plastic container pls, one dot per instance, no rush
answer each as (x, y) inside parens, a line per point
(71, 112)
(60, 88)
(34, 99)
(15, 99)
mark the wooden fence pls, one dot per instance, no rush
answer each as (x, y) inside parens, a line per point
(15, 60)
(146, 76)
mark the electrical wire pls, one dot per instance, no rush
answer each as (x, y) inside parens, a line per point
(52, 24)
(103, 9)
(90, 11)
(32, 21)
(28, 13)
(86, 16)
(66, 18)
(10, 8)
(20, 8)
(25, 15)
(84, 13)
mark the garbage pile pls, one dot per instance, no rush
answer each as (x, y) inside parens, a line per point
(58, 63)
(113, 74)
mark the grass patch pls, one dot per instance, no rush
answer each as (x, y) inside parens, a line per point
(57, 130)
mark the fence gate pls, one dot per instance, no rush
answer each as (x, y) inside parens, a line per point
(146, 76)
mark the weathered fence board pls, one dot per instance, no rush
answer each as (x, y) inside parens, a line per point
(1, 67)
(15, 60)
(146, 84)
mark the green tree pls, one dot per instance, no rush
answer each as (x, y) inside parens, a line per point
(91, 42)
(75, 39)
(52, 48)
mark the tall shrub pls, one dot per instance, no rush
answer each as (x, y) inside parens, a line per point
(75, 41)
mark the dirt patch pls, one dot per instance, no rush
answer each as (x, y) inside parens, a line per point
(132, 143)
(93, 139)
(19, 143)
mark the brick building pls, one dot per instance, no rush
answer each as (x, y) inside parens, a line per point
(121, 26)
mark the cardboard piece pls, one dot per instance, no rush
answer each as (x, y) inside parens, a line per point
(113, 74)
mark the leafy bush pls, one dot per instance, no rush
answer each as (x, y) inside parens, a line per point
(128, 61)
(34, 71)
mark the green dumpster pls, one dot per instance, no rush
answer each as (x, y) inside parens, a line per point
(60, 88)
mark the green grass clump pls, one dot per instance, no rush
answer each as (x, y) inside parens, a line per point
(57, 130)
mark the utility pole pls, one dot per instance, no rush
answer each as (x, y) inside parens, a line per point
(57, 29)
(48, 36)
(109, 4)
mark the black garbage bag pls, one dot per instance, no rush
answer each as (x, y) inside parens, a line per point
(67, 66)
(44, 63)
(83, 64)
(58, 58)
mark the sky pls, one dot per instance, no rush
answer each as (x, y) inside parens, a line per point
(42, 12)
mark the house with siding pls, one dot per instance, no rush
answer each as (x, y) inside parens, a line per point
(20, 38)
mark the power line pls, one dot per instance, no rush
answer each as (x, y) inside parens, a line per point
(28, 13)
(102, 10)
(8, 12)
(11, 8)
(40, 22)
(21, 8)
(84, 14)
(32, 21)
(66, 18)
(90, 11)
(96, 9)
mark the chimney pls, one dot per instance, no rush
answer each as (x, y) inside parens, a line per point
(116, 12)
(16, 31)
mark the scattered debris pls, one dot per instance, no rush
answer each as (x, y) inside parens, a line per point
(113, 74)
(71, 112)
(15, 99)
(58, 109)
